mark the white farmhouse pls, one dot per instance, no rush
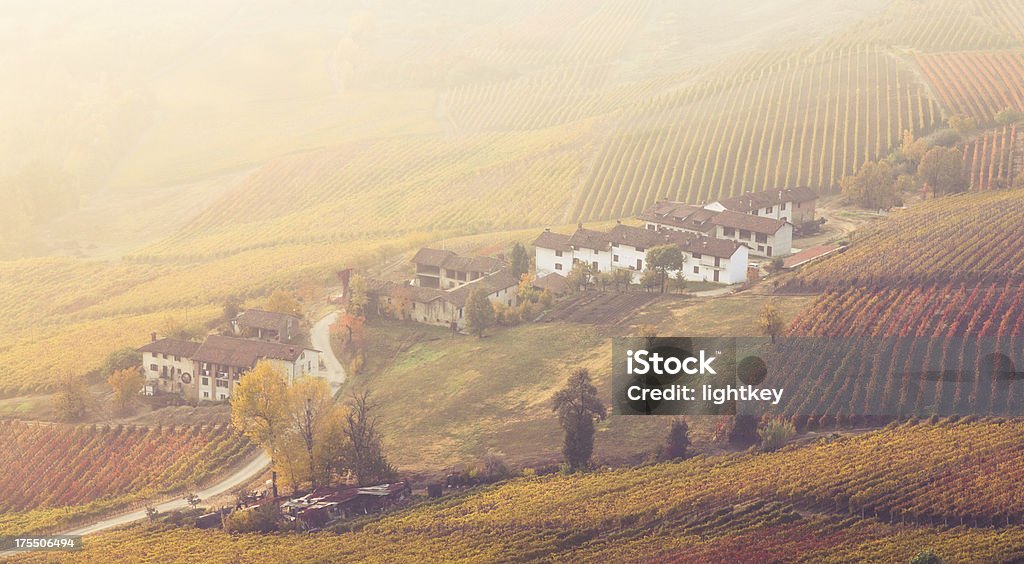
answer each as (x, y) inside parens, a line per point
(795, 205)
(764, 236)
(625, 247)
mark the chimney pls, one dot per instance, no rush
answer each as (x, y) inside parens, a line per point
(618, 222)
(152, 337)
(547, 230)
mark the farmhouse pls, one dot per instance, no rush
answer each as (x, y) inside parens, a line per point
(441, 288)
(267, 326)
(764, 236)
(210, 370)
(795, 205)
(446, 270)
(625, 247)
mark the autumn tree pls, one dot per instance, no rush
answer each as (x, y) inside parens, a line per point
(942, 170)
(479, 311)
(873, 187)
(664, 259)
(127, 384)
(520, 260)
(578, 406)
(259, 410)
(770, 322)
(71, 399)
(121, 359)
(283, 302)
(581, 276)
(309, 407)
(357, 295)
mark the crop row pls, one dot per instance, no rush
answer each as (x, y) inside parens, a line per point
(989, 159)
(808, 120)
(959, 238)
(803, 503)
(977, 83)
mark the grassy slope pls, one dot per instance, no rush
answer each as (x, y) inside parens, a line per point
(446, 401)
(790, 504)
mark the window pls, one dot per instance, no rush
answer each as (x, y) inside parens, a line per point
(222, 382)
(762, 238)
(760, 248)
(575, 261)
(639, 249)
(769, 209)
(615, 245)
(558, 253)
(782, 206)
(696, 256)
(206, 381)
(615, 258)
(222, 396)
(728, 231)
(206, 395)
(718, 261)
(154, 367)
(696, 270)
(177, 358)
(744, 234)
(558, 266)
(798, 205)
(594, 264)
(639, 264)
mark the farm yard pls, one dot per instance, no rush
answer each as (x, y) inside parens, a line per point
(601, 308)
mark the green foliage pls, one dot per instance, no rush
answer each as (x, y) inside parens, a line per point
(942, 170)
(873, 187)
(578, 405)
(121, 359)
(357, 296)
(926, 557)
(742, 430)
(72, 398)
(775, 434)
(283, 302)
(520, 260)
(260, 519)
(677, 443)
(663, 259)
(1009, 116)
(480, 314)
(580, 277)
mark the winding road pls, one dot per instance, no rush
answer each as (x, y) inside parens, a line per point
(320, 338)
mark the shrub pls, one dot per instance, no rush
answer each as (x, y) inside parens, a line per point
(261, 519)
(775, 434)
(677, 443)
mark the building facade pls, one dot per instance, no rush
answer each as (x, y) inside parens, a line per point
(764, 236)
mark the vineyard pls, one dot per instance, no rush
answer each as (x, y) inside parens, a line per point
(950, 239)
(989, 161)
(885, 496)
(801, 120)
(882, 354)
(56, 473)
(977, 83)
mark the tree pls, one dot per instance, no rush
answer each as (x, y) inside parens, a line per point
(1008, 116)
(121, 359)
(775, 434)
(622, 278)
(72, 398)
(174, 329)
(743, 431)
(942, 170)
(578, 407)
(679, 281)
(677, 443)
(873, 187)
(963, 124)
(365, 454)
(769, 321)
(152, 513)
(283, 302)
(580, 277)
(604, 280)
(520, 260)
(192, 499)
(127, 384)
(649, 279)
(479, 311)
(927, 557)
(231, 308)
(310, 403)
(357, 295)
(259, 410)
(662, 259)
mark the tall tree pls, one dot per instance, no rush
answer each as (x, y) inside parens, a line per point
(479, 311)
(580, 277)
(664, 259)
(942, 170)
(365, 445)
(310, 404)
(357, 295)
(520, 260)
(259, 410)
(578, 407)
(71, 398)
(127, 384)
(873, 187)
(677, 443)
(283, 302)
(769, 321)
